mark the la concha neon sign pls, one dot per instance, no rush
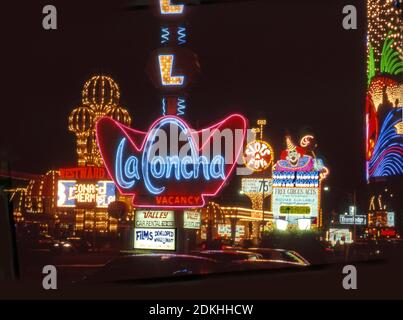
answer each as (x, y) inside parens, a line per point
(171, 165)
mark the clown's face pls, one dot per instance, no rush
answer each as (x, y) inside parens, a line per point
(293, 157)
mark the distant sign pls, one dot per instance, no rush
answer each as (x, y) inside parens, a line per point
(352, 210)
(224, 230)
(339, 235)
(154, 219)
(154, 239)
(191, 220)
(388, 232)
(390, 219)
(349, 219)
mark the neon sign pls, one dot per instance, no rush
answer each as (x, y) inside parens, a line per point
(297, 179)
(165, 62)
(168, 8)
(167, 166)
(90, 173)
(258, 155)
(384, 108)
(72, 193)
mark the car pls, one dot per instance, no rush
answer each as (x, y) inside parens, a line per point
(44, 242)
(79, 244)
(364, 250)
(71, 244)
(226, 256)
(63, 246)
(262, 264)
(129, 267)
(281, 255)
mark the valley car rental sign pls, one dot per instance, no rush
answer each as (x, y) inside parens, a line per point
(170, 165)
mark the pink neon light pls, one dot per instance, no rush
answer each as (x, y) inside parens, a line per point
(212, 128)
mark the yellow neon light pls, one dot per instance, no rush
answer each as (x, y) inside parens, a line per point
(168, 8)
(166, 63)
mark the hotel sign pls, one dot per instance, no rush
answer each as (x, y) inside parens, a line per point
(171, 165)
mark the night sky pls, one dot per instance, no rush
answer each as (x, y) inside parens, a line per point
(290, 62)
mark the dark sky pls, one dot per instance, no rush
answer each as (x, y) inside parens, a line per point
(288, 61)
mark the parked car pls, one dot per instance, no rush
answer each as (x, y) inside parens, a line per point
(281, 255)
(42, 242)
(149, 266)
(71, 244)
(262, 264)
(62, 246)
(364, 250)
(229, 255)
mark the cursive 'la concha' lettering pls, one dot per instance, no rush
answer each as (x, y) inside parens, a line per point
(128, 170)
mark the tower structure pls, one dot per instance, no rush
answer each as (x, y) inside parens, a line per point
(100, 97)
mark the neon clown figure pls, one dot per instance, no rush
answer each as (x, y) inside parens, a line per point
(294, 158)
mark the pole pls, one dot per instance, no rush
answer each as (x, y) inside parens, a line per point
(355, 208)
(261, 232)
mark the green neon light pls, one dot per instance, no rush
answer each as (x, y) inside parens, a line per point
(390, 60)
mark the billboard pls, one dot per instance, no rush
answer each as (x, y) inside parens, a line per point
(292, 203)
(74, 193)
(154, 239)
(256, 185)
(191, 220)
(297, 177)
(154, 219)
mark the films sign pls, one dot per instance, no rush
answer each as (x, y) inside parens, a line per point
(154, 239)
